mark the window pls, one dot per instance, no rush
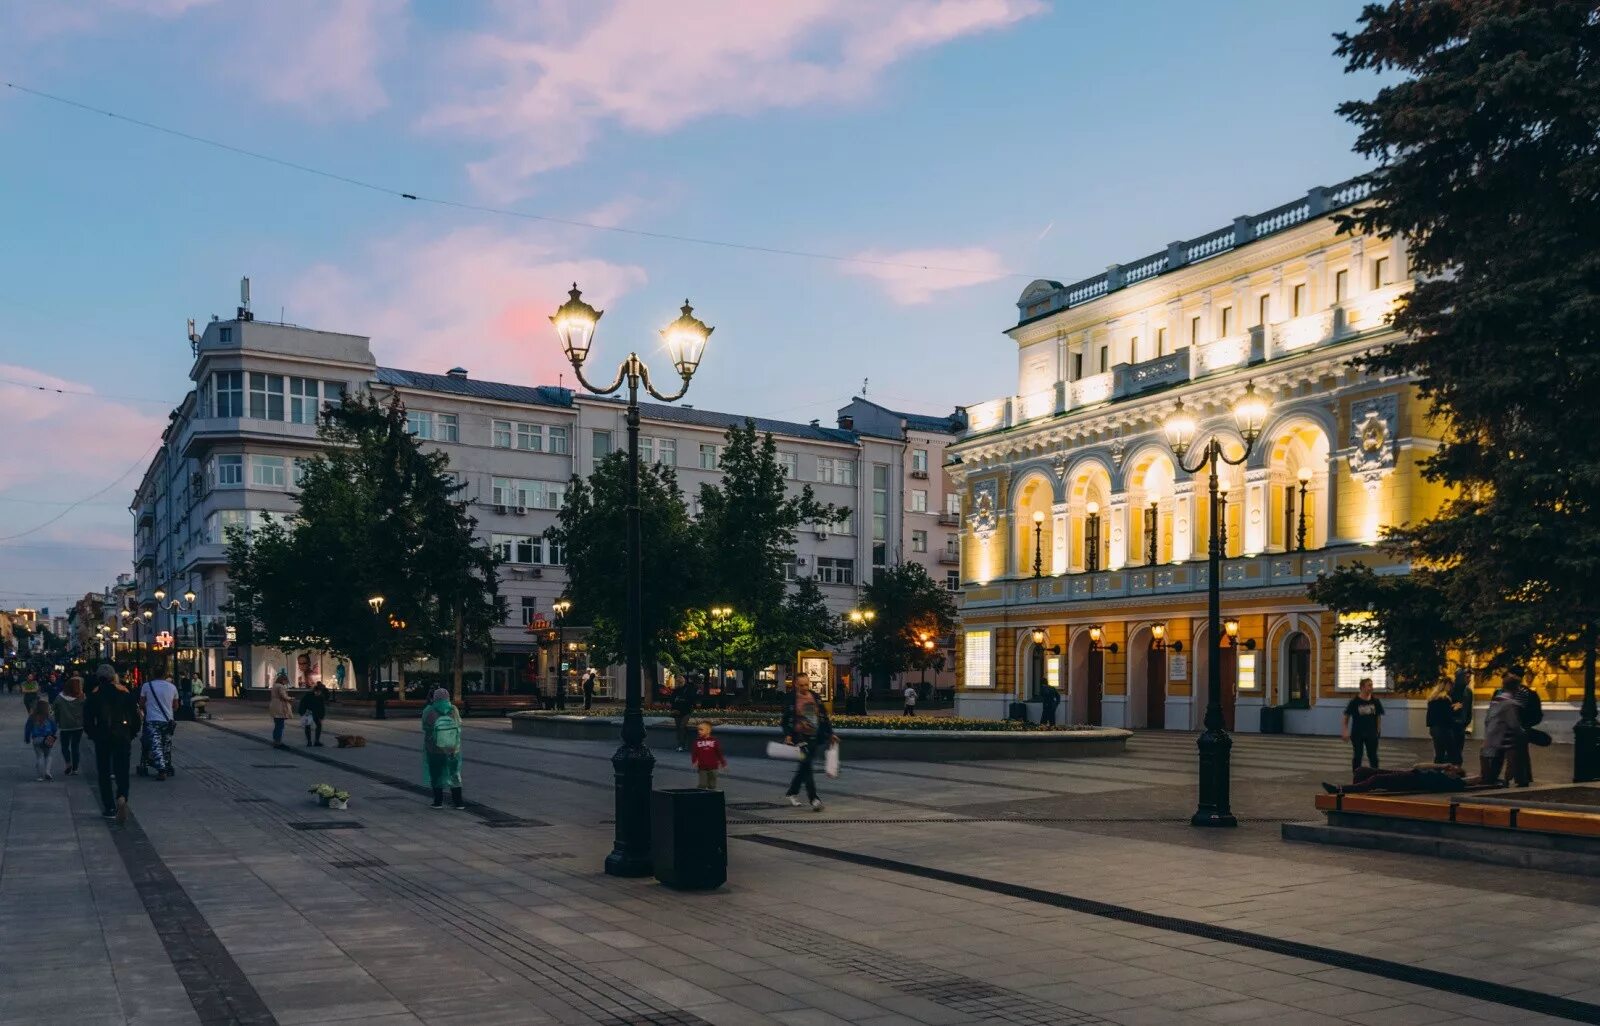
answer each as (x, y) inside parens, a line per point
(952, 504)
(230, 470)
(919, 460)
(1077, 366)
(789, 463)
(1297, 300)
(1105, 359)
(501, 545)
(791, 572)
(1194, 331)
(1380, 272)
(221, 522)
(500, 491)
(449, 426)
(919, 541)
(266, 396)
(952, 580)
(333, 391)
(1263, 308)
(267, 471)
(230, 392)
(1247, 671)
(1225, 322)
(527, 549)
(919, 500)
(557, 554)
(836, 571)
(530, 437)
(709, 455)
(601, 445)
(659, 450)
(1161, 341)
(1358, 657)
(302, 400)
(831, 471)
(1341, 286)
(225, 335)
(1133, 349)
(880, 515)
(298, 471)
(558, 440)
(530, 609)
(979, 659)
(500, 434)
(419, 424)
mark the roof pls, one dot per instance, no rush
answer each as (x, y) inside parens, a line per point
(708, 418)
(532, 395)
(938, 424)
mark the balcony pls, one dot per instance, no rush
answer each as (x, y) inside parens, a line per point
(204, 432)
(949, 519)
(1133, 378)
(950, 556)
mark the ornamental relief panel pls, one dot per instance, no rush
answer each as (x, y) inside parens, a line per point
(1373, 427)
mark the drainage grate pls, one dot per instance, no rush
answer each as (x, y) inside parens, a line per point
(512, 823)
(327, 824)
(368, 863)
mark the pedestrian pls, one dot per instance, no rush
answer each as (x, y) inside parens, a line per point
(30, 692)
(1460, 714)
(111, 720)
(1502, 732)
(313, 709)
(588, 688)
(441, 748)
(1424, 778)
(1441, 722)
(279, 707)
(158, 700)
(1531, 712)
(707, 758)
(50, 690)
(1363, 717)
(683, 701)
(805, 723)
(40, 731)
(68, 709)
(1050, 699)
(911, 701)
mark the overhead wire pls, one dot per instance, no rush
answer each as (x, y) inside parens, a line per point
(116, 481)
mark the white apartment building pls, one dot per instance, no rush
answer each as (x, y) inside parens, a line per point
(232, 449)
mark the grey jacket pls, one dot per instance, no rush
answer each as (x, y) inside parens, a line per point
(1502, 724)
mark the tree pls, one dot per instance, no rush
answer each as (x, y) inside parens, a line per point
(747, 526)
(1489, 170)
(807, 622)
(910, 606)
(592, 529)
(377, 516)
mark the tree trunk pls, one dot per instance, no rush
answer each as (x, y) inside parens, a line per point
(455, 662)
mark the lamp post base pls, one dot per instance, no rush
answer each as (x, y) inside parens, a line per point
(1215, 810)
(630, 854)
(1585, 751)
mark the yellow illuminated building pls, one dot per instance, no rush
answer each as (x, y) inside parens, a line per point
(1074, 475)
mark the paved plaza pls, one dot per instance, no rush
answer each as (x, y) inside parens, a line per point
(1035, 893)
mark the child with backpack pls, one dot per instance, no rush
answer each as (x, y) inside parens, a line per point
(707, 757)
(441, 746)
(40, 732)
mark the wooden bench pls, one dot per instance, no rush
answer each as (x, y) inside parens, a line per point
(498, 704)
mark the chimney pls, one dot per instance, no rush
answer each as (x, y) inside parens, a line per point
(847, 422)
(816, 423)
(459, 373)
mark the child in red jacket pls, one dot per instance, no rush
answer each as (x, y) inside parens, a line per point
(707, 758)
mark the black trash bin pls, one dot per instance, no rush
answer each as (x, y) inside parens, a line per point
(1018, 712)
(1272, 719)
(689, 838)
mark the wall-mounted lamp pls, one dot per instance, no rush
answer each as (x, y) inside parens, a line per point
(1095, 634)
(1040, 636)
(1230, 626)
(1158, 636)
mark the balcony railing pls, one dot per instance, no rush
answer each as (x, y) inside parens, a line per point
(950, 556)
(949, 519)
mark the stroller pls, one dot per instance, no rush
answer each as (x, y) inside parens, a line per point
(147, 758)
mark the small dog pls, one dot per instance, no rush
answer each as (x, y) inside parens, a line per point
(350, 741)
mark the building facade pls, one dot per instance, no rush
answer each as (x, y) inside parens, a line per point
(232, 450)
(1078, 518)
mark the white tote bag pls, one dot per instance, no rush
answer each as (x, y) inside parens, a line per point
(786, 753)
(830, 761)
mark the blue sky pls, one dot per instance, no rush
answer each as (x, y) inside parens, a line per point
(1006, 139)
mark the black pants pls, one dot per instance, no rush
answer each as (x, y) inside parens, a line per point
(681, 721)
(1458, 742)
(318, 726)
(588, 699)
(111, 759)
(71, 740)
(1519, 767)
(1370, 743)
(1442, 737)
(910, 710)
(806, 773)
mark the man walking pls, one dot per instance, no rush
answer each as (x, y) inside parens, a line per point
(111, 720)
(911, 701)
(1363, 717)
(588, 688)
(158, 699)
(1530, 711)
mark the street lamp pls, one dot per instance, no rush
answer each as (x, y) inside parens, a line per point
(718, 622)
(1222, 518)
(860, 623)
(174, 607)
(685, 340)
(1091, 538)
(1038, 543)
(1300, 531)
(560, 607)
(1215, 746)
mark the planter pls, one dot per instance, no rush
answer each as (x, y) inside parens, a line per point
(334, 803)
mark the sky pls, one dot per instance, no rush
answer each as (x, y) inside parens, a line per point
(990, 141)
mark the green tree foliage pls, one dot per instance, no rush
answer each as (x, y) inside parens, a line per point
(377, 516)
(746, 527)
(592, 527)
(702, 638)
(909, 605)
(807, 622)
(1489, 169)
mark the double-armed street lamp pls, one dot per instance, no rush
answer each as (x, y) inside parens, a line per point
(685, 340)
(561, 607)
(174, 607)
(140, 621)
(860, 622)
(718, 621)
(1249, 415)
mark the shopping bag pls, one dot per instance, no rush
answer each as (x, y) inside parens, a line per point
(788, 753)
(830, 761)
(307, 720)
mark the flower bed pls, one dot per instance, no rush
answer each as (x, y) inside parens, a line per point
(740, 717)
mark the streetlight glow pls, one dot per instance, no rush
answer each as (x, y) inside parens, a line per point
(1180, 427)
(686, 340)
(575, 323)
(1250, 414)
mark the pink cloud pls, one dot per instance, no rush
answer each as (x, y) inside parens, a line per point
(321, 57)
(540, 87)
(67, 437)
(934, 270)
(475, 297)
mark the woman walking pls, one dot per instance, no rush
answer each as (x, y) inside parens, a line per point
(111, 719)
(805, 723)
(40, 732)
(441, 748)
(280, 707)
(68, 708)
(1441, 723)
(313, 709)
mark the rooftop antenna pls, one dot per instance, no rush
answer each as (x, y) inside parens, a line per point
(194, 339)
(244, 300)
(864, 386)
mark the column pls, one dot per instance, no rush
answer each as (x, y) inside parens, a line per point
(1183, 525)
(1117, 524)
(1360, 277)
(1316, 275)
(1256, 483)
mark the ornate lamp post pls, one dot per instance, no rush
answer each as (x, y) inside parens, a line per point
(1304, 477)
(1038, 543)
(1215, 746)
(861, 620)
(1222, 518)
(561, 607)
(719, 622)
(685, 340)
(1091, 538)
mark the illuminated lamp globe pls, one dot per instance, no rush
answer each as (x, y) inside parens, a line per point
(575, 323)
(686, 340)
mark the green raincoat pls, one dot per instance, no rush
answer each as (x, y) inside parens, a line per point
(451, 774)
